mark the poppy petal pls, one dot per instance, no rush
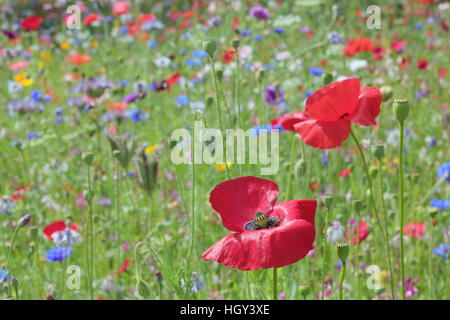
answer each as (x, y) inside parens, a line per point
(368, 107)
(238, 200)
(323, 134)
(268, 248)
(295, 210)
(288, 120)
(334, 101)
(53, 227)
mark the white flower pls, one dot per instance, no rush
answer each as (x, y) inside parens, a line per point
(162, 62)
(335, 232)
(66, 238)
(356, 64)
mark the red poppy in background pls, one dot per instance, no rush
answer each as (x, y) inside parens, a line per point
(228, 56)
(77, 58)
(31, 23)
(355, 46)
(91, 18)
(333, 108)
(288, 120)
(174, 78)
(363, 233)
(422, 64)
(237, 201)
(398, 46)
(126, 263)
(345, 173)
(57, 226)
(120, 7)
(414, 229)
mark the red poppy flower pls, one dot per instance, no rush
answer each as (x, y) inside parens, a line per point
(355, 46)
(126, 263)
(333, 108)
(398, 46)
(56, 226)
(363, 233)
(174, 78)
(414, 229)
(345, 173)
(288, 120)
(32, 23)
(228, 56)
(120, 7)
(77, 58)
(288, 240)
(422, 64)
(314, 186)
(91, 18)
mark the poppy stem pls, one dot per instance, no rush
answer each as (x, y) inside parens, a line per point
(402, 210)
(372, 200)
(324, 264)
(291, 160)
(275, 283)
(341, 282)
(383, 204)
(219, 115)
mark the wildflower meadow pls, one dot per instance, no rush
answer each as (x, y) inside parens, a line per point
(224, 150)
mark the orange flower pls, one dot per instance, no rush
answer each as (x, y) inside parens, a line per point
(76, 58)
(117, 106)
(355, 46)
(228, 56)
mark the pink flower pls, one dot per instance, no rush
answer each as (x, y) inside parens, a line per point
(19, 65)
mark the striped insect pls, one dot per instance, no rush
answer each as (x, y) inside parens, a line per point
(261, 221)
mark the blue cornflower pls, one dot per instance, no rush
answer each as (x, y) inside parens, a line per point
(6, 206)
(182, 99)
(245, 33)
(334, 37)
(444, 172)
(153, 44)
(256, 129)
(308, 93)
(278, 30)
(316, 71)
(442, 251)
(4, 277)
(257, 38)
(440, 204)
(59, 111)
(58, 254)
(432, 142)
(136, 115)
(199, 54)
(419, 26)
(123, 83)
(324, 158)
(194, 62)
(33, 135)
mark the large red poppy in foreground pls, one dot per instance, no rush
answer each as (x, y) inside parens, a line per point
(333, 108)
(287, 241)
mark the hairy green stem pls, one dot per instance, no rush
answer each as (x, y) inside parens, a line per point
(341, 282)
(402, 211)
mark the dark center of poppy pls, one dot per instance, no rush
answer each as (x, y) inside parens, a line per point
(345, 115)
(261, 221)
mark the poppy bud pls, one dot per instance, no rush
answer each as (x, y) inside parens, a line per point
(304, 290)
(219, 74)
(357, 205)
(260, 74)
(401, 109)
(387, 92)
(210, 46)
(88, 195)
(159, 277)
(146, 169)
(209, 101)
(343, 248)
(24, 220)
(143, 289)
(378, 151)
(373, 172)
(235, 43)
(327, 78)
(300, 168)
(87, 157)
(327, 201)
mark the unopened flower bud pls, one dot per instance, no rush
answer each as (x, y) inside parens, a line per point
(304, 290)
(327, 78)
(143, 289)
(378, 151)
(401, 109)
(87, 157)
(210, 46)
(260, 74)
(343, 248)
(373, 172)
(387, 92)
(300, 168)
(327, 201)
(235, 43)
(24, 220)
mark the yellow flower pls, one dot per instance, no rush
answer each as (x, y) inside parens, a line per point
(151, 149)
(41, 64)
(64, 46)
(94, 44)
(221, 166)
(45, 56)
(23, 79)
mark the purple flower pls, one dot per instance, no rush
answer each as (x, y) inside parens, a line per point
(274, 95)
(132, 97)
(259, 13)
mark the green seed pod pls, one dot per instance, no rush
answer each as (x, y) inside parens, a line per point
(143, 289)
(87, 157)
(327, 78)
(357, 205)
(219, 74)
(300, 168)
(373, 172)
(209, 101)
(328, 201)
(210, 46)
(235, 43)
(401, 109)
(378, 151)
(304, 290)
(343, 249)
(387, 92)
